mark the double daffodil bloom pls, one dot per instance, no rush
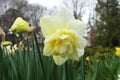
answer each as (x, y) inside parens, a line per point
(63, 36)
(117, 51)
(21, 26)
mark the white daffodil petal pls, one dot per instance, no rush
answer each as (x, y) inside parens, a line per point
(65, 15)
(70, 23)
(77, 26)
(48, 47)
(80, 52)
(49, 25)
(59, 60)
(82, 42)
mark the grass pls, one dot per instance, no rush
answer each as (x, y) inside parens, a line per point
(32, 65)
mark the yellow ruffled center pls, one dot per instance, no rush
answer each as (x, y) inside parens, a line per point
(63, 44)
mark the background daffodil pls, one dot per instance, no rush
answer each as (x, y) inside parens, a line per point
(6, 47)
(117, 51)
(14, 49)
(6, 43)
(63, 36)
(21, 26)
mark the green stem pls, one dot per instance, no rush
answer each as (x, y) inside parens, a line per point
(83, 68)
(118, 62)
(35, 65)
(96, 75)
(40, 57)
(1, 76)
(13, 67)
(66, 71)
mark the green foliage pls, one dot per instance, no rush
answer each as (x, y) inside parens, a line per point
(103, 65)
(27, 66)
(30, 64)
(103, 69)
(108, 24)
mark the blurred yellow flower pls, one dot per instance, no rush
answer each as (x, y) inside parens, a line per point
(97, 60)
(14, 48)
(63, 36)
(21, 26)
(21, 45)
(87, 58)
(117, 51)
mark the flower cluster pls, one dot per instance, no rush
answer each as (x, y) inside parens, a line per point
(63, 35)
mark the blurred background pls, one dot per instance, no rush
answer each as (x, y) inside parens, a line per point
(101, 18)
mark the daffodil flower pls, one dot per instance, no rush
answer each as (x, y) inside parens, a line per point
(21, 45)
(14, 49)
(63, 36)
(87, 59)
(21, 26)
(6, 46)
(117, 51)
(6, 43)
